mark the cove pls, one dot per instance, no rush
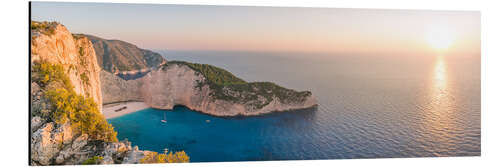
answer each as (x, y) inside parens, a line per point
(276, 136)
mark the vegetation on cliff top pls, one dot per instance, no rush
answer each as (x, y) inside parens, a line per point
(67, 106)
(214, 74)
(47, 28)
(228, 87)
(54, 100)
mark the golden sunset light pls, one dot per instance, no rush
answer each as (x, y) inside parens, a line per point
(440, 38)
(168, 83)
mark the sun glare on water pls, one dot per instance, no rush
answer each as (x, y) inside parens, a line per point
(440, 38)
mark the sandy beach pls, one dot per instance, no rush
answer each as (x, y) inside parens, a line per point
(109, 110)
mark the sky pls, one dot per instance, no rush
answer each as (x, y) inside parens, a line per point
(274, 29)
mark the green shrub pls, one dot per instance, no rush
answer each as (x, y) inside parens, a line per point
(77, 36)
(37, 25)
(80, 50)
(83, 61)
(67, 106)
(81, 112)
(93, 161)
(44, 73)
(46, 28)
(84, 78)
(213, 74)
(154, 157)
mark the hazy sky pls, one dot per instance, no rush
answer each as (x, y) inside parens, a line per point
(188, 27)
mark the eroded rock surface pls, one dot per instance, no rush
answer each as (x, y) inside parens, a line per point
(75, 53)
(60, 144)
(178, 84)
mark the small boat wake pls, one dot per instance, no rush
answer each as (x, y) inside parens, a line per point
(164, 120)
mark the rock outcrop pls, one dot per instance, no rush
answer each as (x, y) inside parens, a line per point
(59, 144)
(55, 44)
(117, 56)
(203, 88)
(179, 84)
(55, 144)
(116, 89)
(47, 141)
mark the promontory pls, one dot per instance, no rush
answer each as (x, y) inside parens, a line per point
(73, 76)
(203, 88)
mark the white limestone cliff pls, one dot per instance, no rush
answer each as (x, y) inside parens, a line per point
(75, 53)
(56, 144)
(176, 84)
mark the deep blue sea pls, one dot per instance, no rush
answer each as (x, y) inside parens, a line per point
(370, 106)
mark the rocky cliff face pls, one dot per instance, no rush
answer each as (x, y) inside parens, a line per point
(58, 144)
(118, 56)
(116, 89)
(178, 84)
(56, 45)
(53, 144)
(200, 87)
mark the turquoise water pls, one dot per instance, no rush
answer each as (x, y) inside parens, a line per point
(265, 137)
(370, 106)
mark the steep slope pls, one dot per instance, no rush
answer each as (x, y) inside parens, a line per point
(116, 89)
(116, 56)
(67, 83)
(207, 89)
(53, 43)
(66, 124)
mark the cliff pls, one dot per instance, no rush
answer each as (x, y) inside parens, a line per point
(53, 43)
(68, 89)
(116, 89)
(66, 124)
(204, 88)
(118, 56)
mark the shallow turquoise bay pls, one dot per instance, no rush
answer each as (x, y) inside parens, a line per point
(265, 137)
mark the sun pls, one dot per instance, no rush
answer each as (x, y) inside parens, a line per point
(440, 38)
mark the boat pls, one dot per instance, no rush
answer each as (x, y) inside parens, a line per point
(164, 120)
(120, 109)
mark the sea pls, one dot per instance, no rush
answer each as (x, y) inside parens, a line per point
(369, 106)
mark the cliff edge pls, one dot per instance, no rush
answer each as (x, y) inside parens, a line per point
(53, 43)
(67, 127)
(204, 88)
